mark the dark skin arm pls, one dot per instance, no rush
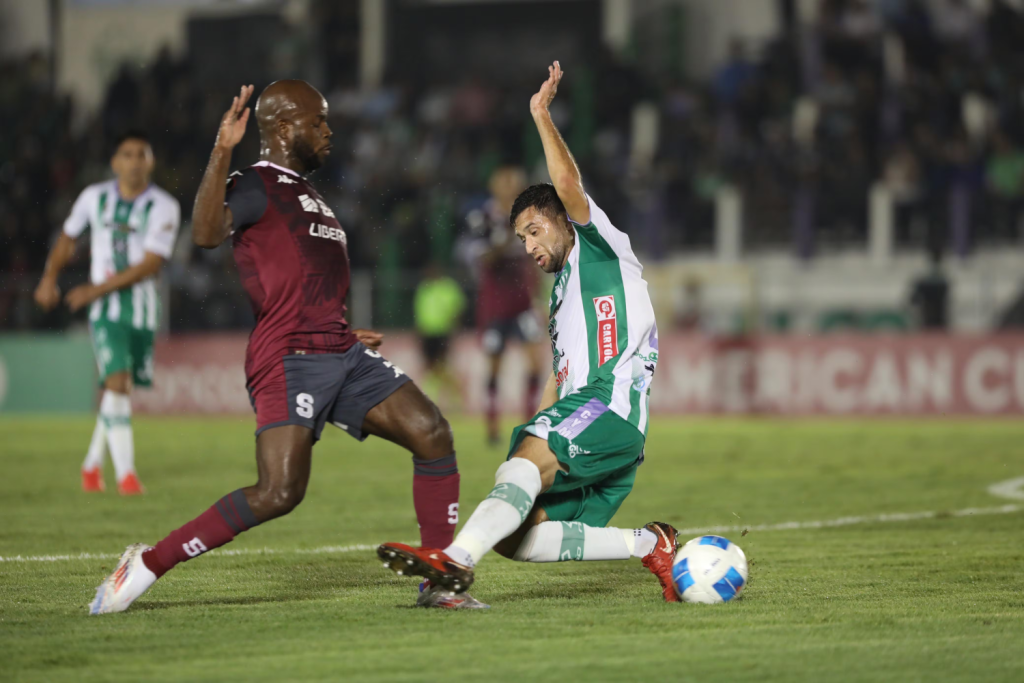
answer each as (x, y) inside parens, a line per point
(83, 295)
(47, 294)
(211, 219)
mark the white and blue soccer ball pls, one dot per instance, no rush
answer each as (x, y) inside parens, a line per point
(709, 569)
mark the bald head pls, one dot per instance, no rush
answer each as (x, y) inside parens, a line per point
(292, 118)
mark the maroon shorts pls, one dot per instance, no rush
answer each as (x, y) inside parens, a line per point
(313, 389)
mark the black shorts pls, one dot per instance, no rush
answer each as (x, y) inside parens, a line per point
(523, 328)
(313, 389)
(435, 348)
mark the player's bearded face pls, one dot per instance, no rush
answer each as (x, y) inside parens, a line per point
(546, 240)
(303, 150)
(312, 140)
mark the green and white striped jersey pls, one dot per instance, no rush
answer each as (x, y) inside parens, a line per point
(603, 335)
(121, 234)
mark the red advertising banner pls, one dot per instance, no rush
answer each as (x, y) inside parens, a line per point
(876, 375)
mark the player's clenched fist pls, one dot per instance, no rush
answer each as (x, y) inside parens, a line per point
(47, 294)
(542, 99)
(232, 124)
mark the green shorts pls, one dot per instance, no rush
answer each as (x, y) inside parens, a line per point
(600, 450)
(122, 348)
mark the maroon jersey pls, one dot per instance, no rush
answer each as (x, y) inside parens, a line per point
(507, 275)
(292, 258)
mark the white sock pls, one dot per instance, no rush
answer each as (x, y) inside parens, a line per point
(116, 411)
(516, 486)
(561, 541)
(644, 542)
(97, 447)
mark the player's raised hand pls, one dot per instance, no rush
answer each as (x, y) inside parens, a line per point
(232, 124)
(543, 97)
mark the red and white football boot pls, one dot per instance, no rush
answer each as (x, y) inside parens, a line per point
(430, 563)
(659, 561)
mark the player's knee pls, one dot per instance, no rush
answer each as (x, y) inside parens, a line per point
(119, 382)
(440, 437)
(536, 451)
(279, 500)
(431, 436)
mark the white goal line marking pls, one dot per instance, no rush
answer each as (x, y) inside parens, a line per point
(783, 526)
(323, 550)
(860, 519)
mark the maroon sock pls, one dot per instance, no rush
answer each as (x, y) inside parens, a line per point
(435, 495)
(532, 397)
(228, 517)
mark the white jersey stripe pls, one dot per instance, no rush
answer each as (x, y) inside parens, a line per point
(114, 306)
(152, 305)
(137, 310)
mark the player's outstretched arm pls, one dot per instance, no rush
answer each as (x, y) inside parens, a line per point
(565, 175)
(83, 295)
(211, 220)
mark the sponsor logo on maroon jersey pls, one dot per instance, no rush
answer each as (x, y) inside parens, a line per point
(315, 205)
(607, 331)
(327, 232)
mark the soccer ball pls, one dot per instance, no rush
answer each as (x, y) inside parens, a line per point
(709, 569)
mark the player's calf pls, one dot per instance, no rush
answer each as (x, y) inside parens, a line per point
(228, 517)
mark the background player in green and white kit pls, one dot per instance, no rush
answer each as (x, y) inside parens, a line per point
(572, 465)
(133, 225)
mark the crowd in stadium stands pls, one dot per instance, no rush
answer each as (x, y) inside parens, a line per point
(925, 97)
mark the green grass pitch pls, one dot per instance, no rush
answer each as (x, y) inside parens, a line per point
(939, 598)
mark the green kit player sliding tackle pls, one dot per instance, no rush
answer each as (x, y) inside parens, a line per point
(571, 466)
(133, 225)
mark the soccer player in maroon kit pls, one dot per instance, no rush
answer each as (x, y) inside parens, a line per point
(507, 282)
(304, 366)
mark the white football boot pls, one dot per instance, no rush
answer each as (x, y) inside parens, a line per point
(130, 579)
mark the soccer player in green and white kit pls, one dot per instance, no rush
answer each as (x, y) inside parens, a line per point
(133, 225)
(571, 466)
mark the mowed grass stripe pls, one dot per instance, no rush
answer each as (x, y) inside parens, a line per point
(784, 526)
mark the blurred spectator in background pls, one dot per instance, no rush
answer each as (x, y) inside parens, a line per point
(800, 124)
(438, 307)
(690, 310)
(902, 177)
(733, 74)
(1004, 176)
(929, 297)
(507, 284)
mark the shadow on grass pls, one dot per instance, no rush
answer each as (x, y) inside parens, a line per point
(152, 605)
